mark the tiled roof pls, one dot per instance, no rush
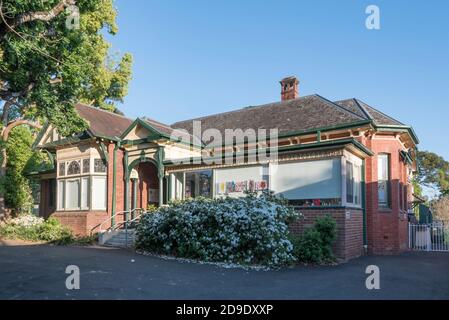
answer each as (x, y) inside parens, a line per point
(368, 112)
(305, 113)
(301, 114)
(169, 131)
(103, 123)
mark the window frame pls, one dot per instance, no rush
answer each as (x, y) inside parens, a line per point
(356, 185)
(81, 177)
(387, 204)
(211, 183)
(67, 181)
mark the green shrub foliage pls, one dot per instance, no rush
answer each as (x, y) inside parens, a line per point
(251, 231)
(21, 161)
(31, 228)
(315, 244)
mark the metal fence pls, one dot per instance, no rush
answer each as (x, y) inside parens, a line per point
(429, 237)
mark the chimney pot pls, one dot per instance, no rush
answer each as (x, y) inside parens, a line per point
(289, 88)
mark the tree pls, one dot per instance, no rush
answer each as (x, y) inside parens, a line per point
(433, 171)
(53, 54)
(22, 160)
(440, 208)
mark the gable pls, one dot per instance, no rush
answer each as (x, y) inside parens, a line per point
(47, 135)
(137, 131)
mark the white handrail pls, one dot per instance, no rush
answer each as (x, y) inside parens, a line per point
(113, 216)
(126, 226)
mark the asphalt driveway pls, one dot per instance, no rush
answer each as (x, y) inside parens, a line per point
(38, 272)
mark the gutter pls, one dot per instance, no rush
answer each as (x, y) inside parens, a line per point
(332, 143)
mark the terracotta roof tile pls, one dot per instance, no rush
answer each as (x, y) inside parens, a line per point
(309, 112)
(103, 123)
(368, 112)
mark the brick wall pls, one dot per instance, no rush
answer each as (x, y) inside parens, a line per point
(349, 242)
(119, 182)
(387, 228)
(82, 222)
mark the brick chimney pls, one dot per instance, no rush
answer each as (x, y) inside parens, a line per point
(289, 88)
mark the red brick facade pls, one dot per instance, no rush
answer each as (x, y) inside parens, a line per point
(119, 181)
(82, 223)
(387, 228)
(349, 243)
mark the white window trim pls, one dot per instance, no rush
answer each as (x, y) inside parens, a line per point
(79, 177)
(356, 167)
(79, 194)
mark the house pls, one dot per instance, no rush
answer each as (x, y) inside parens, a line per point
(343, 158)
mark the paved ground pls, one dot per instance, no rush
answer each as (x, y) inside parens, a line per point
(38, 272)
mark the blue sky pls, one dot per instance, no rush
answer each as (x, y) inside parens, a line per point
(194, 58)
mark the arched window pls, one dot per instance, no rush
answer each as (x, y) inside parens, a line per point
(74, 168)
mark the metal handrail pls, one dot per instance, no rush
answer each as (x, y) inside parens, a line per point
(113, 216)
(126, 226)
(122, 223)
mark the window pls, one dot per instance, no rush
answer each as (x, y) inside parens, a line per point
(383, 179)
(358, 185)
(99, 166)
(82, 190)
(353, 183)
(85, 193)
(74, 168)
(233, 182)
(73, 194)
(86, 165)
(198, 184)
(177, 185)
(99, 196)
(349, 182)
(61, 194)
(308, 183)
(62, 169)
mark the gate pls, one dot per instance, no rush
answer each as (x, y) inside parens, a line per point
(429, 237)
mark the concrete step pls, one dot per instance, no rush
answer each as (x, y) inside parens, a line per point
(119, 239)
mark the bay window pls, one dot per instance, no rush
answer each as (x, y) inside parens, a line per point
(82, 186)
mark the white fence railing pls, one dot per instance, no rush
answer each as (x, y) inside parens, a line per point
(429, 237)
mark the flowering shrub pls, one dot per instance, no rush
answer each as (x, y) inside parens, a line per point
(26, 221)
(32, 228)
(249, 231)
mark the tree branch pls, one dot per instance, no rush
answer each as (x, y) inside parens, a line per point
(11, 125)
(12, 23)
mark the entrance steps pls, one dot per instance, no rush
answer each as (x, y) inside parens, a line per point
(117, 238)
